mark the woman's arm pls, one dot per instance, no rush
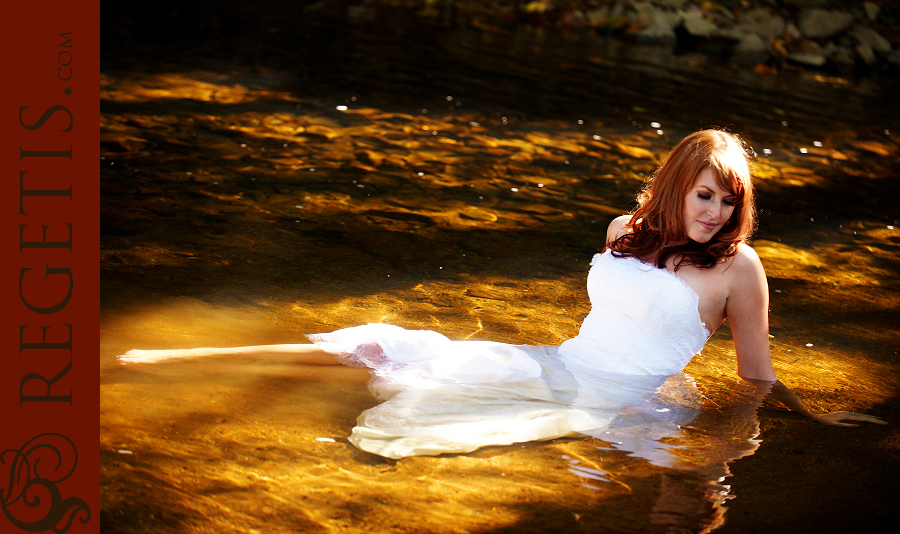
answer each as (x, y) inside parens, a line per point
(783, 394)
(747, 309)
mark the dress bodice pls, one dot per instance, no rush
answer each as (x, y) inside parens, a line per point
(643, 320)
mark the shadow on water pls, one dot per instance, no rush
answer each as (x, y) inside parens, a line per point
(240, 207)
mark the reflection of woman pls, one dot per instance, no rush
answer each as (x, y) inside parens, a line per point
(670, 273)
(714, 439)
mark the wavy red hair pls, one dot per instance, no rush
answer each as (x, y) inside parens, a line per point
(657, 221)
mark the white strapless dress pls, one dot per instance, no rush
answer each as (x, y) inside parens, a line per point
(444, 396)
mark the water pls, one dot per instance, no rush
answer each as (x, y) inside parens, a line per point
(241, 207)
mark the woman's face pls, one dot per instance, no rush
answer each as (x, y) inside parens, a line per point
(707, 207)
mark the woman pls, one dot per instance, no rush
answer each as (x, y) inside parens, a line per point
(670, 274)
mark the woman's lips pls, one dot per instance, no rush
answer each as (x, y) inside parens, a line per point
(709, 226)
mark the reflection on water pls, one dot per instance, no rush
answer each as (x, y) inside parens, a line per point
(241, 206)
(673, 430)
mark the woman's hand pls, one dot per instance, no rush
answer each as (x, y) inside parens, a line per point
(782, 393)
(836, 418)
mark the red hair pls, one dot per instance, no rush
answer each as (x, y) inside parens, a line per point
(658, 219)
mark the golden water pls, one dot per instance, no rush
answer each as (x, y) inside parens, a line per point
(239, 209)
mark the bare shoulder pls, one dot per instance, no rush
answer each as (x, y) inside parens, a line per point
(617, 228)
(746, 269)
(746, 260)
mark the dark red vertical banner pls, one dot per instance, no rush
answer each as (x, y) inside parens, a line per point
(49, 273)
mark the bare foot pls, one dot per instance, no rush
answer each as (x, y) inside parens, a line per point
(371, 351)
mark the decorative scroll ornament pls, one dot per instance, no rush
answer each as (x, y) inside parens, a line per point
(31, 500)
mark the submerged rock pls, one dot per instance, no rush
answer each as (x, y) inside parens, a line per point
(872, 39)
(697, 25)
(599, 16)
(761, 23)
(822, 24)
(840, 55)
(808, 58)
(805, 3)
(866, 54)
(642, 13)
(659, 24)
(751, 49)
(894, 58)
(872, 10)
(809, 53)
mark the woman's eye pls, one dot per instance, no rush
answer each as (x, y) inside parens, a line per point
(728, 202)
(704, 196)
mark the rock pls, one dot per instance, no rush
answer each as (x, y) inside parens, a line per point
(659, 25)
(598, 16)
(642, 13)
(820, 23)
(793, 32)
(871, 38)
(618, 9)
(538, 6)
(657, 33)
(872, 10)
(808, 54)
(866, 54)
(762, 23)
(808, 58)
(751, 49)
(752, 43)
(838, 54)
(725, 15)
(576, 18)
(675, 4)
(894, 58)
(695, 23)
(805, 3)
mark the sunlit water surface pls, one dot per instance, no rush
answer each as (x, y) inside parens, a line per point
(261, 191)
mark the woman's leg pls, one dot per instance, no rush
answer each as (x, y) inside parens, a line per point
(293, 353)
